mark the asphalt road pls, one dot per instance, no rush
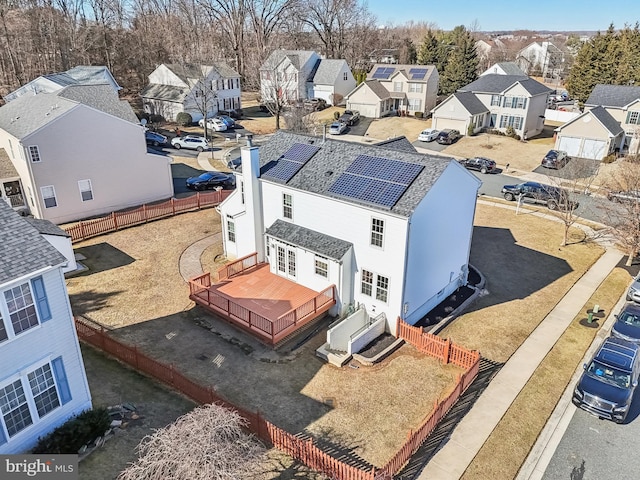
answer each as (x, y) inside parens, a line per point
(593, 449)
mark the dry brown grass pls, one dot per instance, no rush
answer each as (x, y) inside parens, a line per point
(527, 274)
(389, 127)
(535, 403)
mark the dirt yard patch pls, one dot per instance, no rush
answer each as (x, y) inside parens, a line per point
(389, 127)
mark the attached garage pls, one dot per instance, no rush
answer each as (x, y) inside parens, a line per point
(571, 145)
(366, 110)
(452, 123)
(593, 134)
(458, 111)
(594, 149)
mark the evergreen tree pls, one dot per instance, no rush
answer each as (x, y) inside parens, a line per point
(462, 62)
(429, 51)
(408, 54)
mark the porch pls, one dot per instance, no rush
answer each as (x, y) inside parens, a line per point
(269, 306)
(10, 185)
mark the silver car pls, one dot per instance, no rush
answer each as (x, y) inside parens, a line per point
(633, 294)
(194, 142)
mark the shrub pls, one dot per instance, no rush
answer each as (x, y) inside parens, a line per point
(153, 118)
(609, 158)
(419, 114)
(470, 130)
(184, 119)
(510, 132)
(336, 115)
(75, 432)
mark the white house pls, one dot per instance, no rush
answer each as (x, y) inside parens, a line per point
(375, 221)
(77, 153)
(490, 49)
(542, 57)
(42, 380)
(195, 89)
(301, 74)
(58, 238)
(80, 75)
(408, 89)
(504, 68)
(495, 101)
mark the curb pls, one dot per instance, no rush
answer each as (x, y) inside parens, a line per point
(536, 463)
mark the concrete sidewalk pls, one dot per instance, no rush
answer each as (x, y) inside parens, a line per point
(453, 458)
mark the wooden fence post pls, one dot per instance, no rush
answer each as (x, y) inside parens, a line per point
(173, 207)
(81, 229)
(198, 199)
(447, 351)
(144, 212)
(115, 220)
(135, 352)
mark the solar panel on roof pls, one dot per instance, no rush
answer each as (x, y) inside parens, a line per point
(383, 72)
(418, 73)
(301, 153)
(377, 180)
(290, 163)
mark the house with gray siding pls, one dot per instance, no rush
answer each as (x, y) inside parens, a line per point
(42, 379)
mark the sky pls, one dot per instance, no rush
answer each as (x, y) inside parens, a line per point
(556, 15)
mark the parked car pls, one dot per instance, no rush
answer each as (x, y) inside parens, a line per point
(620, 196)
(214, 124)
(227, 120)
(428, 135)
(448, 136)
(211, 181)
(350, 117)
(480, 164)
(315, 104)
(154, 138)
(337, 128)
(234, 163)
(555, 159)
(608, 382)
(534, 192)
(627, 326)
(633, 294)
(193, 142)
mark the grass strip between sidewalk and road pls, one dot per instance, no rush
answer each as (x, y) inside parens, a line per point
(507, 448)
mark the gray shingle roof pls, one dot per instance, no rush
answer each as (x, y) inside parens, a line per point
(511, 68)
(28, 113)
(7, 170)
(471, 103)
(607, 120)
(328, 71)
(333, 158)
(378, 89)
(22, 248)
(496, 83)
(61, 79)
(401, 144)
(46, 227)
(317, 242)
(91, 75)
(190, 73)
(166, 93)
(404, 68)
(296, 57)
(613, 95)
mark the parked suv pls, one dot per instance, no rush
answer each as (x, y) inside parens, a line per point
(447, 136)
(606, 387)
(555, 159)
(633, 294)
(534, 192)
(627, 326)
(482, 165)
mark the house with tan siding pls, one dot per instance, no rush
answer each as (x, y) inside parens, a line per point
(594, 134)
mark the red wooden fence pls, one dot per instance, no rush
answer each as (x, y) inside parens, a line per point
(136, 216)
(303, 450)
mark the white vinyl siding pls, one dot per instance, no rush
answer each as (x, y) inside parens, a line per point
(86, 192)
(322, 267)
(397, 86)
(231, 229)
(415, 104)
(415, 87)
(49, 196)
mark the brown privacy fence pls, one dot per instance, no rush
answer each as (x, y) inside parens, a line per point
(303, 450)
(145, 213)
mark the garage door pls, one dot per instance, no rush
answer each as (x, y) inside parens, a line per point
(364, 109)
(571, 145)
(442, 123)
(594, 149)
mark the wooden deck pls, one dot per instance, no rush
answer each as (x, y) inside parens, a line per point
(268, 305)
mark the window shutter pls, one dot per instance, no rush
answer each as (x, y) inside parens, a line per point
(61, 380)
(41, 299)
(3, 438)
(628, 117)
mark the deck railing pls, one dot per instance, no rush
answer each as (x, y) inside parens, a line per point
(145, 213)
(238, 266)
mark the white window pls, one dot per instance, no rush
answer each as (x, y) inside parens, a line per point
(34, 153)
(291, 261)
(366, 284)
(377, 232)
(511, 121)
(515, 102)
(415, 104)
(43, 388)
(86, 192)
(415, 87)
(322, 267)
(495, 100)
(397, 86)
(382, 288)
(231, 229)
(49, 196)
(282, 266)
(22, 310)
(14, 407)
(345, 76)
(287, 206)
(633, 118)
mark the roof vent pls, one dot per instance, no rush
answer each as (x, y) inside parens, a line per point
(328, 173)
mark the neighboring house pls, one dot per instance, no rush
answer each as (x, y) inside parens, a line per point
(296, 75)
(80, 75)
(384, 55)
(504, 68)
(58, 238)
(593, 134)
(195, 89)
(77, 153)
(372, 221)
(489, 50)
(622, 102)
(509, 101)
(541, 58)
(408, 89)
(42, 380)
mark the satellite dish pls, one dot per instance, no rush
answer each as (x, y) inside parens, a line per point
(143, 122)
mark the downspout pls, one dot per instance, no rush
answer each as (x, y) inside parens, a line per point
(404, 276)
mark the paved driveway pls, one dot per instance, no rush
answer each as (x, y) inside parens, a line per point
(435, 146)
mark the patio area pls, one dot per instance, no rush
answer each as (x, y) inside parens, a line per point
(253, 298)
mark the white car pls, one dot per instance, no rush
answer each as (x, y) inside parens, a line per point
(193, 142)
(213, 124)
(337, 128)
(428, 135)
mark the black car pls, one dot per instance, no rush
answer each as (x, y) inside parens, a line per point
(627, 326)
(534, 192)
(606, 387)
(555, 159)
(212, 180)
(447, 136)
(482, 165)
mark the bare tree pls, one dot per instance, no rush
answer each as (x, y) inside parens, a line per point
(206, 444)
(279, 88)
